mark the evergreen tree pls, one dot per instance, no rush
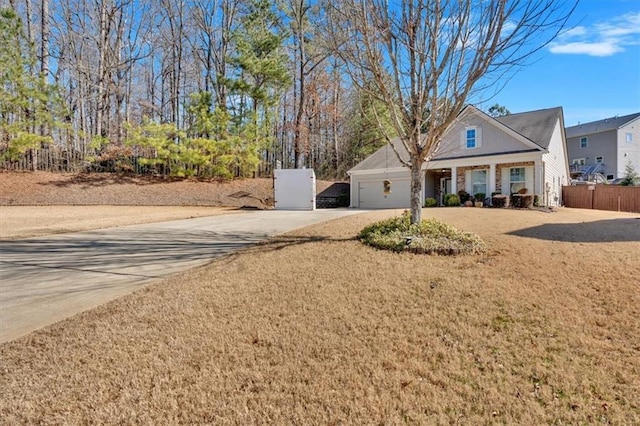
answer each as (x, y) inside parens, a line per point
(630, 176)
(26, 101)
(262, 67)
(498, 110)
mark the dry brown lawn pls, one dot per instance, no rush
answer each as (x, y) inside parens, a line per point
(316, 328)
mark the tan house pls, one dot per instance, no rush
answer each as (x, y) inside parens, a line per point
(478, 154)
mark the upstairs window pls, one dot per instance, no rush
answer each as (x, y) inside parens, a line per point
(629, 137)
(471, 138)
(584, 142)
(599, 159)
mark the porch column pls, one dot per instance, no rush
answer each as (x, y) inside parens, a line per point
(492, 179)
(537, 177)
(454, 180)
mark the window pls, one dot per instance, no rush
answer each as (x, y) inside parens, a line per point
(516, 179)
(584, 142)
(478, 182)
(471, 138)
(578, 161)
(599, 159)
(629, 137)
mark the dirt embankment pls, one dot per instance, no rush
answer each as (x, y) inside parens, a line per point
(45, 189)
(41, 203)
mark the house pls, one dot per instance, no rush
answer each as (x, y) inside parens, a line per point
(478, 154)
(604, 146)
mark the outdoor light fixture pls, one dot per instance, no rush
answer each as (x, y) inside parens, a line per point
(386, 186)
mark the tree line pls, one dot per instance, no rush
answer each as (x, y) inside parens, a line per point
(210, 88)
(223, 88)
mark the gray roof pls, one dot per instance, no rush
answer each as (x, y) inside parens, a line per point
(600, 125)
(384, 158)
(537, 126)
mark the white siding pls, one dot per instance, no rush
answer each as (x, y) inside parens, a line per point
(490, 139)
(631, 149)
(555, 169)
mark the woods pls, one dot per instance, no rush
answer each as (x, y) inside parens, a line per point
(230, 88)
(210, 88)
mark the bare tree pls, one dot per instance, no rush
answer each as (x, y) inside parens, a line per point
(425, 59)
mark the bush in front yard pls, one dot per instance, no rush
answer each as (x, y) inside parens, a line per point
(451, 200)
(429, 237)
(430, 202)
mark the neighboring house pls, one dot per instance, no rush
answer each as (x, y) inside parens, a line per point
(604, 146)
(478, 154)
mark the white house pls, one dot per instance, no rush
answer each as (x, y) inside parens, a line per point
(478, 154)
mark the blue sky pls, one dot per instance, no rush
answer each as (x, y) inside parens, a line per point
(592, 70)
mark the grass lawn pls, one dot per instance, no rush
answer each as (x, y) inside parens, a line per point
(316, 327)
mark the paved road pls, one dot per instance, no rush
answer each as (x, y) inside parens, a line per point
(47, 279)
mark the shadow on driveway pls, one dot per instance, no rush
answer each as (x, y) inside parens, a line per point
(601, 231)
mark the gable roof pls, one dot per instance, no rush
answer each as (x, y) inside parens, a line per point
(535, 126)
(384, 158)
(600, 125)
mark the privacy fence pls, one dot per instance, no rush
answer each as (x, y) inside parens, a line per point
(602, 197)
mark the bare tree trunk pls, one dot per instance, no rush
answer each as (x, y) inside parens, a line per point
(102, 51)
(44, 50)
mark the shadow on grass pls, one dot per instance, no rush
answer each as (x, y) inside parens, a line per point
(601, 231)
(87, 180)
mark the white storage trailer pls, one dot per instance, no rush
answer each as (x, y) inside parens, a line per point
(295, 189)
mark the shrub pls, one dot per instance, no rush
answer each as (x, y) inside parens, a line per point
(429, 237)
(430, 202)
(480, 196)
(464, 196)
(536, 200)
(451, 200)
(499, 201)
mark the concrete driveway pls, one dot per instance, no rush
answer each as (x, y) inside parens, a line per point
(47, 279)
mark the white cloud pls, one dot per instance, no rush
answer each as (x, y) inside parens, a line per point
(592, 49)
(602, 39)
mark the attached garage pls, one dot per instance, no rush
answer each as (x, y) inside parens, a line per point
(381, 190)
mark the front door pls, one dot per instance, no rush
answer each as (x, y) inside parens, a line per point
(445, 188)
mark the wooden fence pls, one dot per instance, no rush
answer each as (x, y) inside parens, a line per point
(602, 197)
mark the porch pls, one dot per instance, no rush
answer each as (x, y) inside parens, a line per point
(488, 179)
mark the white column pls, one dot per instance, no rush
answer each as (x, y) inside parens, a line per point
(537, 178)
(454, 180)
(492, 179)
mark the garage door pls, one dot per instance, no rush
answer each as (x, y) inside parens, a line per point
(371, 194)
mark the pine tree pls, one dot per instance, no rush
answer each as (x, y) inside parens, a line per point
(630, 176)
(26, 101)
